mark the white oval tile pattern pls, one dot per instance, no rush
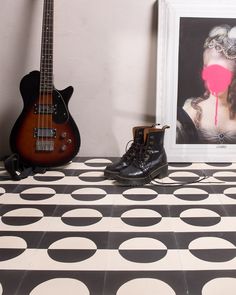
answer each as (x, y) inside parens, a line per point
(72, 249)
(81, 217)
(12, 242)
(11, 247)
(220, 286)
(93, 176)
(88, 194)
(210, 243)
(226, 176)
(140, 194)
(212, 249)
(183, 176)
(97, 162)
(230, 192)
(85, 228)
(145, 286)
(22, 216)
(49, 176)
(142, 250)
(37, 193)
(61, 286)
(191, 194)
(200, 217)
(141, 217)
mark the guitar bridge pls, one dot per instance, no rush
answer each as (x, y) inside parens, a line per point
(44, 146)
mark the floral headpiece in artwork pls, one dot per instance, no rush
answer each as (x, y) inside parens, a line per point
(223, 40)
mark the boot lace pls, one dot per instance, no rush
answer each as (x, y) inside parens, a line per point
(132, 151)
(142, 156)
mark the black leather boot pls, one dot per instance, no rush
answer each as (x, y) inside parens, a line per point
(112, 170)
(149, 163)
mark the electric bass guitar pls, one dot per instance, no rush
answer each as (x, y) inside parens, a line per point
(45, 133)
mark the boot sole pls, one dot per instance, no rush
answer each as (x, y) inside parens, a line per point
(161, 172)
(110, 175)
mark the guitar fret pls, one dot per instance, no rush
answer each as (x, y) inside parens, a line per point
(47, 93)
(46, 82)
(47, 57)
(46, 64)
(46, 90)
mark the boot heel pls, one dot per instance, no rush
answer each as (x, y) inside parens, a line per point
(163, 172)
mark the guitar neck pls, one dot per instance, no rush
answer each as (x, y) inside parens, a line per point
(46, 62)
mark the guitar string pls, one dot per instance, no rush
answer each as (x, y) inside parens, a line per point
(51, 60)
(44, 85)
(45, 125)
(44, 76)
(47, 29)
(48, 44)
(41, 90)
(50, 71)
(48, 52)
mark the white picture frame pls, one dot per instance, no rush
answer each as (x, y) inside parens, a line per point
(171, 14)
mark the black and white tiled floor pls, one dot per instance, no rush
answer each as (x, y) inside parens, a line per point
(70, 231)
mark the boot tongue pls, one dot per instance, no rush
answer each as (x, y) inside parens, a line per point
(155, 133)
(145, 134)
(138, 135)
(150, 130)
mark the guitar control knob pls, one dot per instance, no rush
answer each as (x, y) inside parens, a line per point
(63, 135)
(69, 141)
(63, 147)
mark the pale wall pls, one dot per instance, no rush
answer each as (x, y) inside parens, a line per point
(106, 49)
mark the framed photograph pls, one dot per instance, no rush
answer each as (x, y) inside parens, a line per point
(196, 79)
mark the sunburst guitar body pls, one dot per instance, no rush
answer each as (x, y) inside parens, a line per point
(45, 133)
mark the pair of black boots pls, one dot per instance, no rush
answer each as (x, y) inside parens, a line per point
(144, 160)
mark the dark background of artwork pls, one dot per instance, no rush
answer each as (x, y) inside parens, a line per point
(193, 32)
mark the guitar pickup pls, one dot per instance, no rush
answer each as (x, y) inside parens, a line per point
(44, 109)
(44, 146)
(45, 132)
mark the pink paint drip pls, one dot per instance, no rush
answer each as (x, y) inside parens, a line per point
(216, 110)
(217, 79)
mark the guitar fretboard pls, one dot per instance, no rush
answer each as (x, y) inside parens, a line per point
(46, 63)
